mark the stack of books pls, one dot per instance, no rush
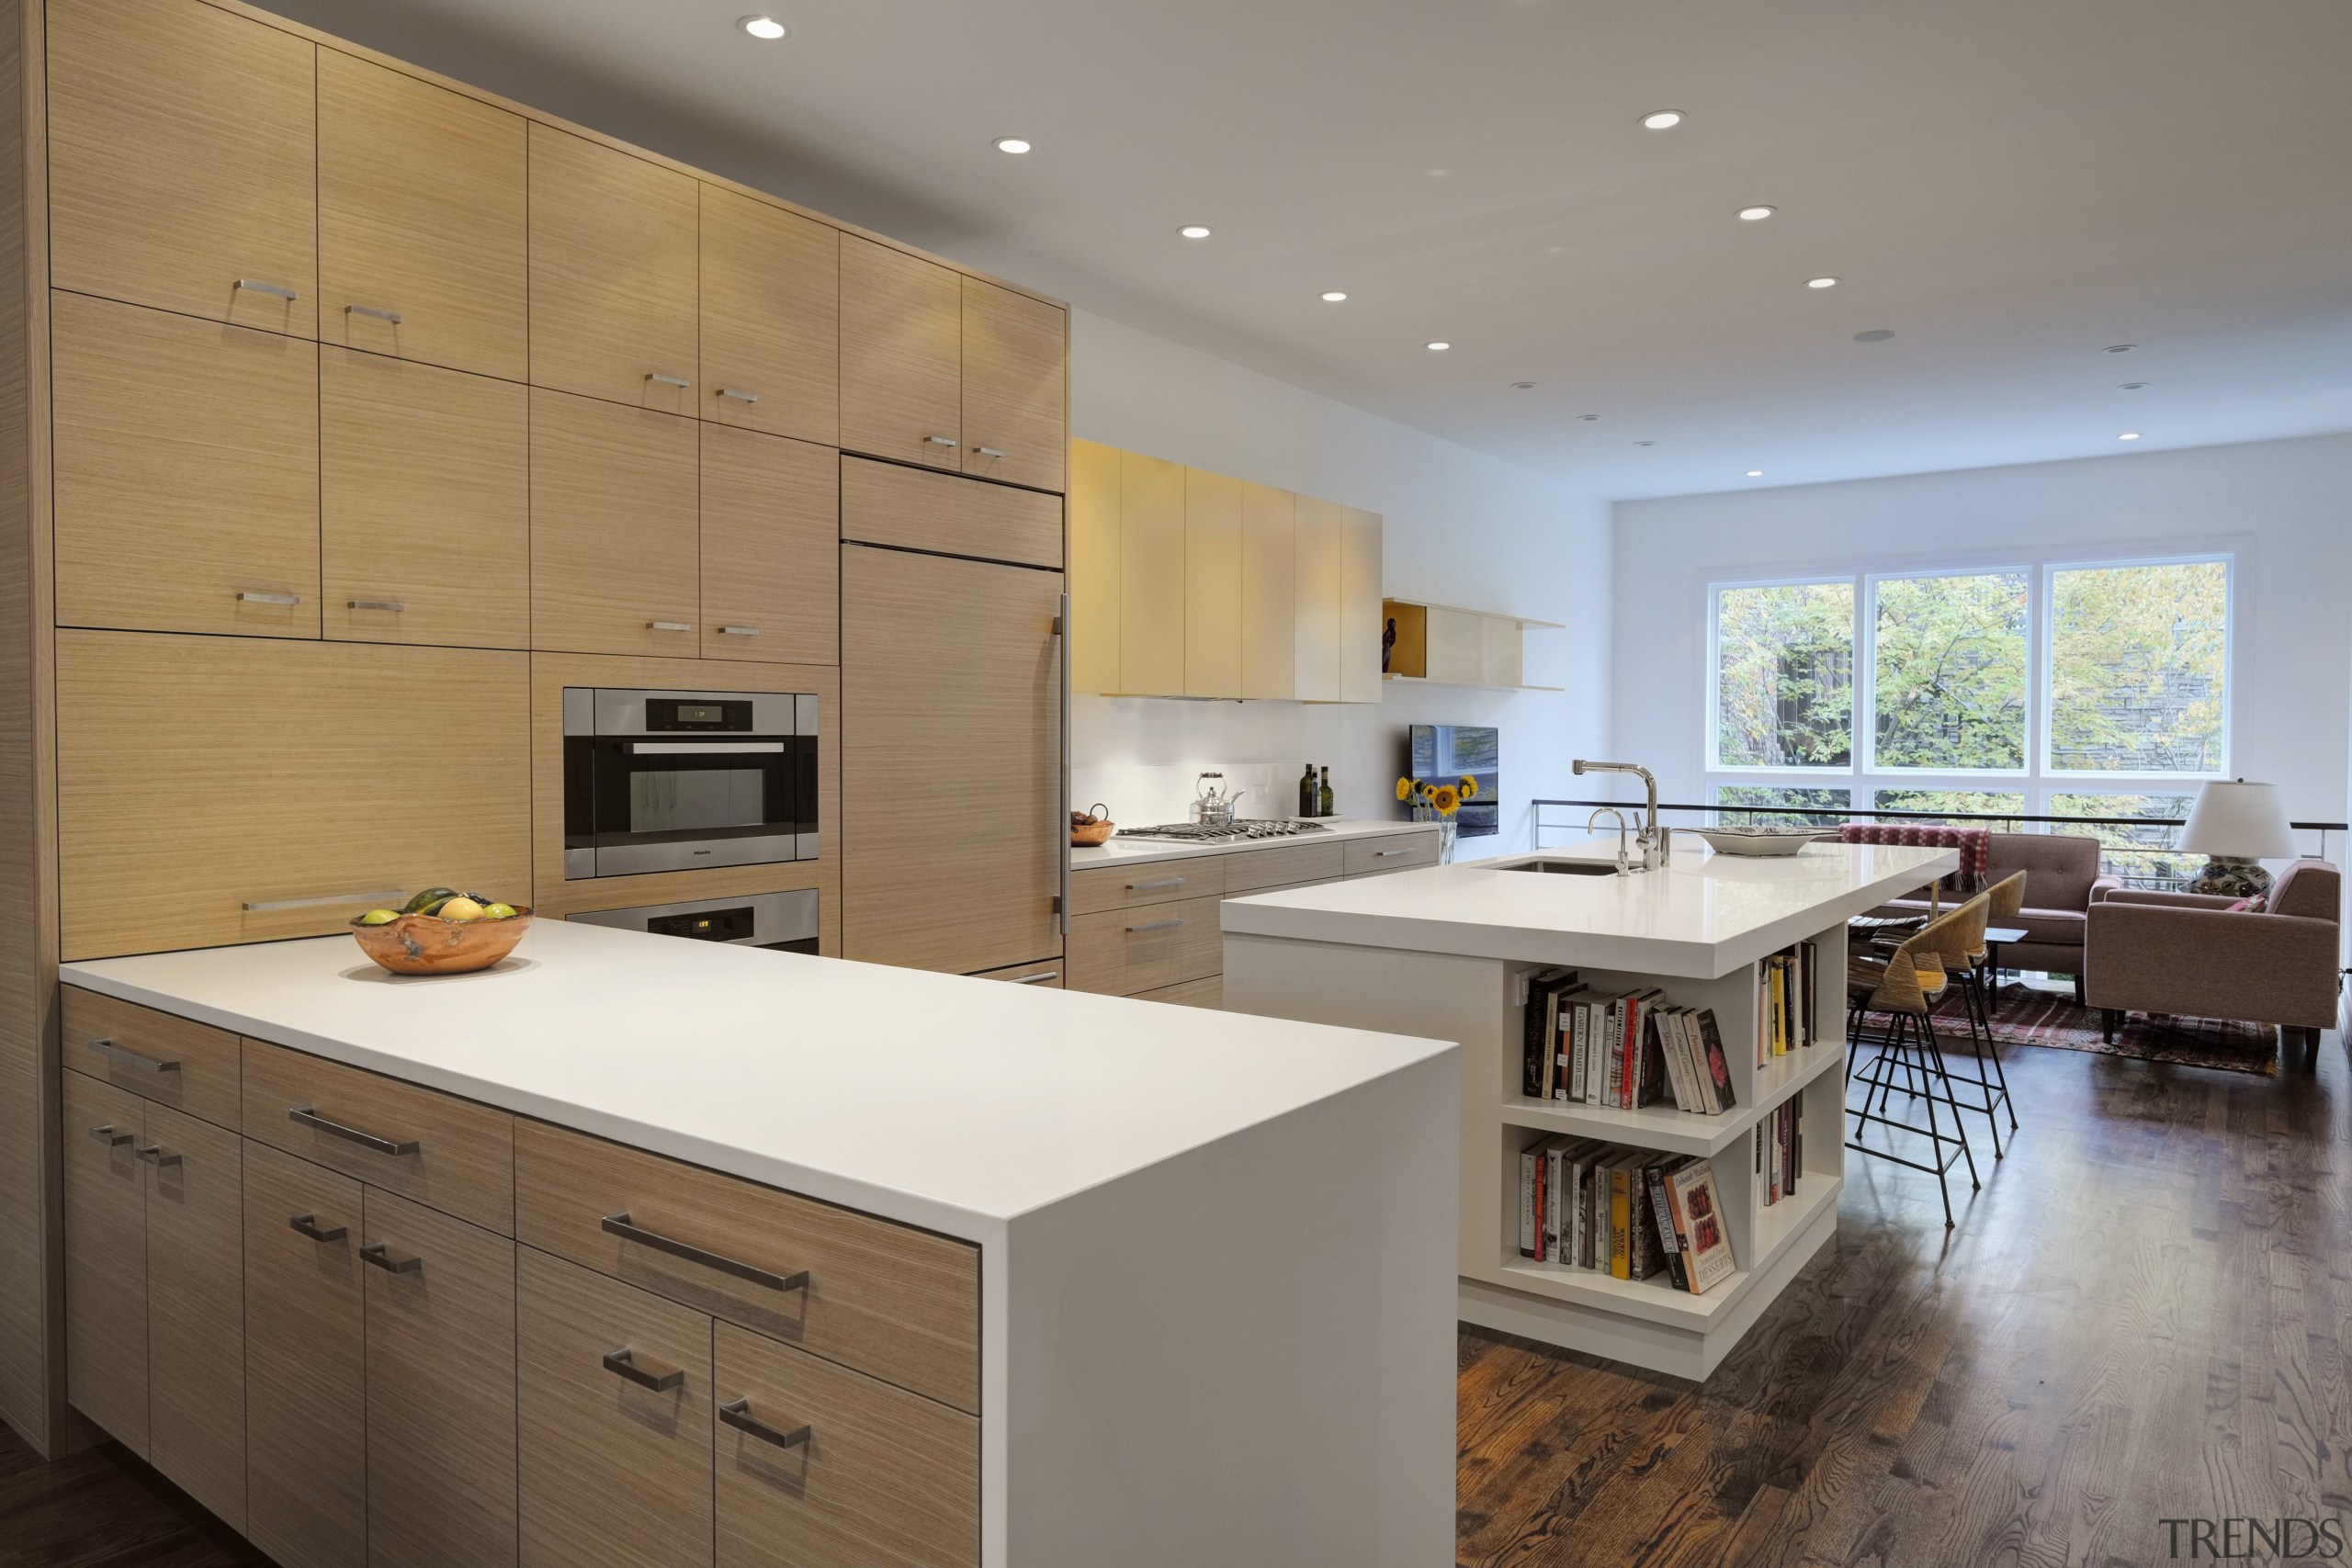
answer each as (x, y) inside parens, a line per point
(1622, 1052)
(1784, 1002)
(1780, 1150)
(1629, 1213)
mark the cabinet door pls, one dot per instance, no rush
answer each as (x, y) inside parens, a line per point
(886, 503)
(1093, 567)
(188, 473)
(196, 1308)
(771, 548)
(106, 1259)
(771, 318)
(440, 1382)
(1319, 546)
(1151, 576)
(306, 1436)
(836, 1469)
(614, 1429)
(1212, 584)
(1269, 595)
(216, 790)
(951, 717)
(1360, 623)
(425, 496)
(615, 565)
(181, 157)
(422, 220)
(613, 274)
(902, 356)
(1017, 387)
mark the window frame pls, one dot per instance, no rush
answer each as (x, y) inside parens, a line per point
(1866, 694)
(1714, 675)
(2046, 764)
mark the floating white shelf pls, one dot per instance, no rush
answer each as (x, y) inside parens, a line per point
(1444, 644)
(1466, 685)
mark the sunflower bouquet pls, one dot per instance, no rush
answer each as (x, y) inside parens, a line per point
(1445, 799)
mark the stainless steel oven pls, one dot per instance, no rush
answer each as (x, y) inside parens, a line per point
(676, 780)
(784, 922)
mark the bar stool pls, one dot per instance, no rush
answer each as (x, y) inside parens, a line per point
(1904, 986)
(2006, 898)
(1959, 948)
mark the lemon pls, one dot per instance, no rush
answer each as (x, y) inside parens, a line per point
(380, 917)
(498, 913)
(460, 909)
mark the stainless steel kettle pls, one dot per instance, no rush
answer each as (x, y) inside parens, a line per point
(1212, 807)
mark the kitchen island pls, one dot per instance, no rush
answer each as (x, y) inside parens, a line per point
(924, 1269)
(1448, 951)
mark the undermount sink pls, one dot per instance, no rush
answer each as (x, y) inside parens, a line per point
(1564, 867)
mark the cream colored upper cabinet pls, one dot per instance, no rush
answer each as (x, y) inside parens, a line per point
(771, 548)
(615, 559)
(1321, 544)
(1093, 567)
(1212, 584)
(1151, 576)
(1016, 385)
(1269, 592)
(423, 205)
(901, 340)
(1360, 626)
(182, 162)
(771, 318)
(614, 267)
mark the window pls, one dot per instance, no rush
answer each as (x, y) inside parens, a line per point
(1939, 801)
(2144, 856)
(1784, 676)
(2138, 668)
(1948, 662)
(1765, 795)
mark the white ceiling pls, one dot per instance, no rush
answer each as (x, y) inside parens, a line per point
(2008, 185)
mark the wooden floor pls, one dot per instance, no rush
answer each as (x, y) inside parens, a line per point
(2141, 1316)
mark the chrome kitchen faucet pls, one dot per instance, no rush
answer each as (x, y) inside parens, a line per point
(1652, 838)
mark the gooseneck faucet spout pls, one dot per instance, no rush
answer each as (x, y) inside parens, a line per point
(1652, 838)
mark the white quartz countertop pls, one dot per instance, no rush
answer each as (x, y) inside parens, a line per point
(951, 1103)
(1140, 852)
(1701, 915)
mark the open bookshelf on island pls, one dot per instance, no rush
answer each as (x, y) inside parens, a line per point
(1444, 644)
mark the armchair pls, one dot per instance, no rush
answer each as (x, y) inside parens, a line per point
(2195, 955)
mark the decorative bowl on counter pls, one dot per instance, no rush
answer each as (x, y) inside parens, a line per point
(1757, 840)
(1091, 827)
(427, 944)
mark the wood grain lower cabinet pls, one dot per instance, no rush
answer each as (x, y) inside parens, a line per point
(440, 1336)
(1123, 952)
(306, 1399)
(1206, 992)
(172, 1061)
(615, 1428)
(771, 548)
(195, 1309)
(821, 1467)
(902, 337)
(616, 563)
(105, 1258)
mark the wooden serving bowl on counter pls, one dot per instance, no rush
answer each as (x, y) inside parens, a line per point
(427, 944)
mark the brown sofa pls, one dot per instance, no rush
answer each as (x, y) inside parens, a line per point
(2192, 955)
(2062, 882)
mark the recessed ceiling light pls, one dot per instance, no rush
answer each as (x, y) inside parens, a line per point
(766, 29)
(1821, 283)
(1333, 296)
(2133, 385)
(1522, 386)
(1440, 347)
(1756, 214)
(1876, 334)
(2129, 436)
(1755, 473)
(1194, 231)
(1013, 145)
(2120, 347)
(1588, 418)
(1661, 120)
(1437, 174)
(1645, 443)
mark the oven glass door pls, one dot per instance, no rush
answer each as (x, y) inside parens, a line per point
(674, 804)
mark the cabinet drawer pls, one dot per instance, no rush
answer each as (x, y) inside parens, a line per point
(1207, 992)
(445, 1153)
(1046, 973)
(1123, 952)
(883, 503)
(1391, 851)
(614, 1432)
(1285, 865)
(898, 1303)
(1098, 888)
(173, 1061)
(881, 1478)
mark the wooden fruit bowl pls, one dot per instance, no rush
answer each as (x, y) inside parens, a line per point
(427, 944)
(1091, 828)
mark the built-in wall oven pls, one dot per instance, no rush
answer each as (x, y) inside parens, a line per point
(677, 781)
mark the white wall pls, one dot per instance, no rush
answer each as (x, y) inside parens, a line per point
(1458, 528)
(2282, 508)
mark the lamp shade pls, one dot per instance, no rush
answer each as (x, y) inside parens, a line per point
(2238, 821)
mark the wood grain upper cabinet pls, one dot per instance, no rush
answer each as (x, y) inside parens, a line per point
(771, 548)
(196, 1308)
(901, 335)
(883, 504)
(1151, 576)
(951, 715)
(1017, 387)
(1269, 592)
(188, 473)
(1317, 557)
(1094, 567)
(771, 318)
(615, 562)
(424, 495)
(613, 274)
(1360, 623)
(1212, 584)
(182, 160)
(216, 790)
(105, 1258)
(423, 221)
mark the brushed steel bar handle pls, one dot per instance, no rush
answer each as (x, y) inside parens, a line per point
(394, 605)
(255, 596)
(941, 440)
(376, 310)
(1039, 978)
(659, 377)
(1383, 854)
(622, 1226)
(158, 1155)
(255, 286)
(740, 395)
(308, 1224)
(377, 896)
(668, 626)
(704, 747)
(1061, 818)
(988, 451)
(108, 1136)
(737, 1413)
(304, 1116)
(1149, 887)
(624, 1361)
(738, 631)
(1158, 926)
(129, 1058)
(390, 1262)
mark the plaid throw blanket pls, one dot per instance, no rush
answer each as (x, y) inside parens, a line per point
(1974, 844)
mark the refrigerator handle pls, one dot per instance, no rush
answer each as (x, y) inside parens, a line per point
(1061, 821)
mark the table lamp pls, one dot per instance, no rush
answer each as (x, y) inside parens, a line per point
(2236, 826)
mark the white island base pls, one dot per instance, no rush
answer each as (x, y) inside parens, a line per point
(1445, 951)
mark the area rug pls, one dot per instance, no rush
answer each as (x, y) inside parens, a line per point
(2023, 1016)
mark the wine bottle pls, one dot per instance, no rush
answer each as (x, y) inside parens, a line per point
(1307, 793)
(1327, 805)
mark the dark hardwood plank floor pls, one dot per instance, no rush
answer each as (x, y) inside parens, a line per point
(2141, 1316)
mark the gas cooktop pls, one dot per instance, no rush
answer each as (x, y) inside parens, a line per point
(1246, 828)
